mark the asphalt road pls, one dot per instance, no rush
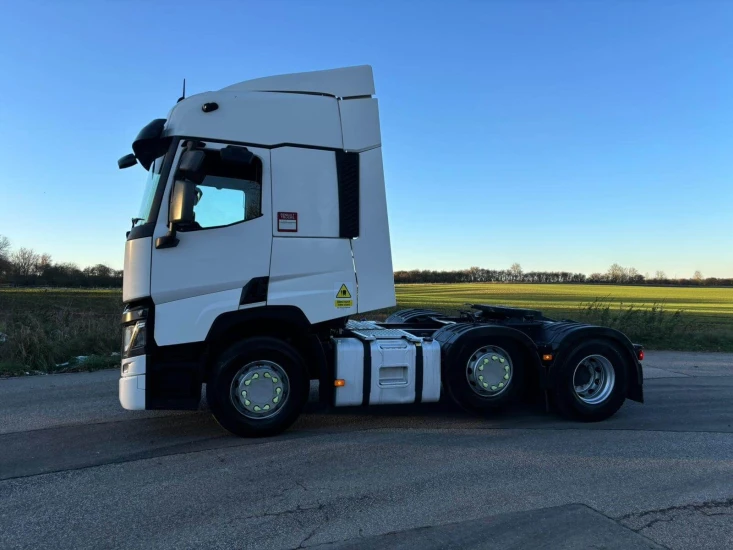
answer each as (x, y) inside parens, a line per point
(77, 471)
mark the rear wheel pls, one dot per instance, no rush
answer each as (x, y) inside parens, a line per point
(484, 375)
(591, 383)
(258, 387)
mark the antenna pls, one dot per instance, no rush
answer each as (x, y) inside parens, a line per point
(183, 96)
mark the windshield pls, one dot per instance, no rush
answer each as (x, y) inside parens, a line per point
(151, 184)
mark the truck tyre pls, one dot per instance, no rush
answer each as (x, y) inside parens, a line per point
(484, 374)
(258, 387)
(590, 384)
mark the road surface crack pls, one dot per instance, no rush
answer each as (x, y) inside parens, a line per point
(653, 522)
(283, 513)
(643, 521)
(708, 508)
(325, 521)
(309, 536)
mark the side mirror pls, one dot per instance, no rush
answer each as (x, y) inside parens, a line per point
(191, 166)
(127, 161)
(183, 199)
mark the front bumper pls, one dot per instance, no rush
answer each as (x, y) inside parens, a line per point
(132, 383)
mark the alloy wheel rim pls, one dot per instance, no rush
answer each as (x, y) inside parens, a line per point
(259, 389)
(489, 371)
(594, 379)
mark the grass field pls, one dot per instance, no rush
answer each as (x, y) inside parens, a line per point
(710, 306)
(42, 328)
(676, 318)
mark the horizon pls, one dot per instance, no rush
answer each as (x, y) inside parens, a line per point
(565, 138)
(615, 274)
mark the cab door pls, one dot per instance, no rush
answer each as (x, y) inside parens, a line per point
(224, 250)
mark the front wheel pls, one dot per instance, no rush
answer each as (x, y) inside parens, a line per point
(591, 383)
(258, 387)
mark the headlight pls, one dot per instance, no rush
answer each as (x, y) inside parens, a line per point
(133, 338)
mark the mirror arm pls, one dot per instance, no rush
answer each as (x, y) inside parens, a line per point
(167, 241)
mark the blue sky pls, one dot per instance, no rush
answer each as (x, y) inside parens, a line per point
(562, 135)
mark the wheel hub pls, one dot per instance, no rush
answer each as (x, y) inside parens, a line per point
(594, 379)
(259, 389)
(489, 371)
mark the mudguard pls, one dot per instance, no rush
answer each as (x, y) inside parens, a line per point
(414, 316)
(453, 338)
(561, 338)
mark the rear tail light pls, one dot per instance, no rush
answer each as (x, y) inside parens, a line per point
(639, 351)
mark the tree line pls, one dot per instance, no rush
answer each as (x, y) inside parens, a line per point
(616, 274)
(25, 267)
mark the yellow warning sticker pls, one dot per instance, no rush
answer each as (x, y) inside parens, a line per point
(343, 297)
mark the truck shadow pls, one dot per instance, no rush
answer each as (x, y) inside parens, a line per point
(318, 416)
(144, 438)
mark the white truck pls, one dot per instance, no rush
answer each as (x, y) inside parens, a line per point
(263, 233)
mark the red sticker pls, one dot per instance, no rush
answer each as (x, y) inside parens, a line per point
(287, 222)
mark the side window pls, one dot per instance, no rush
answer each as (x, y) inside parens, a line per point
(230, 192)
(224, 201)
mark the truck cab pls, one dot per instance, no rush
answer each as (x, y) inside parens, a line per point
(285, 204)
(262, 229)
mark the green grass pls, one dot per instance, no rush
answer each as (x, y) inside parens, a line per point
(46, 327)
(712, 306)
(682, 318)
(90, 363)
(99, 301)
(43, 328)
